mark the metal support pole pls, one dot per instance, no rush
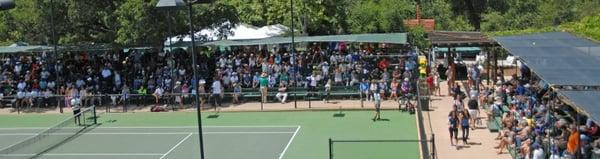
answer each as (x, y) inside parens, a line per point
(295, 101)
(433, 153)
(362, 105)
(330, 148)
(488, 66)
(54, 43)
(309, 103)
(195, 78)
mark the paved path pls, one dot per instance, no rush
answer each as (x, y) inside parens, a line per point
(481, 140)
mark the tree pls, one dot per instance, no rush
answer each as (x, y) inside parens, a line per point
(418, 37)
(380, 16)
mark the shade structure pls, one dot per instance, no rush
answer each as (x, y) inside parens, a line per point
(559, 58)
(7, 4)
(585, 102)
(392, 38)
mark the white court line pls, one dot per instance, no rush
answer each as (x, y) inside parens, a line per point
(289, 142)
(87, 154)
(152, 133)
(164, 127)
(173, 148)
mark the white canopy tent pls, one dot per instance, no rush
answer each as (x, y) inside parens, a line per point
(239, 32)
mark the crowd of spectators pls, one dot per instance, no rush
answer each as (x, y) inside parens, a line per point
(36, 79)
(316, 67)
(534, 123)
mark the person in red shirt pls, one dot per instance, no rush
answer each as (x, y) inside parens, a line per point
(383, 64)
(430, 83)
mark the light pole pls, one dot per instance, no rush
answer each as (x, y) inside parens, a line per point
(7, 4)
(189, 3)
(55, 49)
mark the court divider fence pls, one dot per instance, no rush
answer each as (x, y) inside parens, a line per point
(172, 101)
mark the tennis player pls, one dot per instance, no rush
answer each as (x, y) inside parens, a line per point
(377, 100)
(76, 110)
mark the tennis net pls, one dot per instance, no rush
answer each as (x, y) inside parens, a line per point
(51, 137)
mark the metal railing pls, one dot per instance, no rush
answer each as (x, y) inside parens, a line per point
(175, 101)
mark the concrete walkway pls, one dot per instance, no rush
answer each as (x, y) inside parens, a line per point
(481, 140)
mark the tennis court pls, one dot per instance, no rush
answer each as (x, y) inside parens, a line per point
(249, 135)
(253, 142)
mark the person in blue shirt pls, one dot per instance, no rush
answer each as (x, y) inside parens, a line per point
(364, 87)
(453, 127)
(464, 125)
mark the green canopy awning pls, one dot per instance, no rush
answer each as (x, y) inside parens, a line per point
(392, 38)
(23, 49)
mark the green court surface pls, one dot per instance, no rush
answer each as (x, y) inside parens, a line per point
(248, 135)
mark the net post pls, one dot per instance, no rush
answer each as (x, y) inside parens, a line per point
(295, 101)
(94, 115)
(309, 96)
(125, 102)
(60, 106)
(361, 98)
(330, 149)
(18, 105)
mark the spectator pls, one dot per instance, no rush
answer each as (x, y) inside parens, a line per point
(377, 102)
(158, 93)
(394, 90)
(202, 92)
(453, 127)
(264, 87)
(327, 91)
(237, 93)
(281, 93)
(373, 89)
(364, 88)
(473, 110)
(465, 119)
(538, 152)
(217, 92)
(430, 83)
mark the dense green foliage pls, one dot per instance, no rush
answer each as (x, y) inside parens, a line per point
(138, 22)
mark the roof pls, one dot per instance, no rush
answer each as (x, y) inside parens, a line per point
(23, 49)
(393, 38)
(585, 102)
(465, 39)
(558, 58)
(458, 49)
